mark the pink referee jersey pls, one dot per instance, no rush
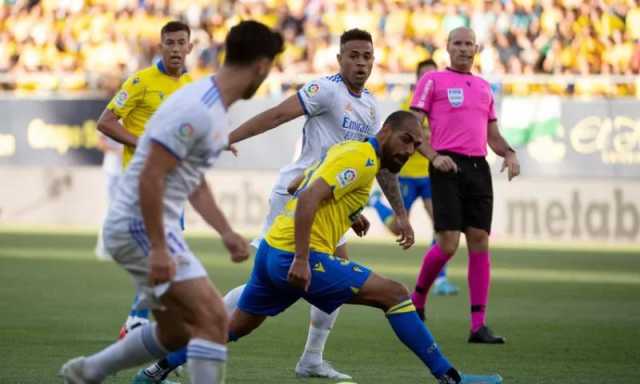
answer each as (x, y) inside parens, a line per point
(460, 107)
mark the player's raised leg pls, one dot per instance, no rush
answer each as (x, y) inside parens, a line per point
(393, 298)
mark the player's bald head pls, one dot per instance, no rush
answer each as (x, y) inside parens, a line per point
(401, 120)
(463, 33)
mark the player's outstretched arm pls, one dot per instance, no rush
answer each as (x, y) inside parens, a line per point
(388, 182)
(204, 203)
(288, 110)
(501, 148)
(308, 203)
(109, 124)
(152, 179)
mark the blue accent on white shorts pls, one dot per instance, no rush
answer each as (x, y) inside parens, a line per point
(334, 281)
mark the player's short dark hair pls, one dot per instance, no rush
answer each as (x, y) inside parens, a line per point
(175, 26)
(425, 63)
(250, 40)
(355, 34)
(397, 119)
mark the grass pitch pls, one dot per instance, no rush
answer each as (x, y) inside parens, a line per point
(569, 316)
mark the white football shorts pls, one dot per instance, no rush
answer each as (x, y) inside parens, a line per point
(127, 241)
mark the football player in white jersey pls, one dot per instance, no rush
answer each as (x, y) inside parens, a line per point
(142, 230)
(336, 108)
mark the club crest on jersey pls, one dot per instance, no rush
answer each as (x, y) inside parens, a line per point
(348, 107)
(312, 89)
(185, 131)
(456, 96)
(347, 177)
(121, 98)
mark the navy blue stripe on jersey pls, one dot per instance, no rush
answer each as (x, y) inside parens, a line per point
(209, 92)
(166, 148)
(337, 78)
(211, 96)
(304, 107)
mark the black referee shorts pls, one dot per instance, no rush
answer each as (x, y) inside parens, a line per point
(463, 199)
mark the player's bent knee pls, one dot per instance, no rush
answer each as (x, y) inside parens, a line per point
(394, 293)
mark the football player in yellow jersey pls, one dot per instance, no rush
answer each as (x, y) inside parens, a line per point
(140, 96)
(295, 259)
(415, 183)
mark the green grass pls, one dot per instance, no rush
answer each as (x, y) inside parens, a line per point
(569, 316)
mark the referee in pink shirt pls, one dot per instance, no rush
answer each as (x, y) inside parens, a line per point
(462, 119)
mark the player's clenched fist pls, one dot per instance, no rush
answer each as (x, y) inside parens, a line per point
(299, 274)
(162, 268)
(237, 246)
(360, 225)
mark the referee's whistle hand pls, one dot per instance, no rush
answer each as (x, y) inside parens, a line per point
(445, 164)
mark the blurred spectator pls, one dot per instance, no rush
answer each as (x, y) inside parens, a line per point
(79, 44)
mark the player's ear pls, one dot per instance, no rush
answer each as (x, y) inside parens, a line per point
(263, 66)
(190, 47)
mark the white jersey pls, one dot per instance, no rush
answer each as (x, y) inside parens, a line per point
(334, 115)
(192, 125)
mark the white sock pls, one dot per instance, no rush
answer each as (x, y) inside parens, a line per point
(140, 346)
(206, 361)
(232, 298)
(319, 330)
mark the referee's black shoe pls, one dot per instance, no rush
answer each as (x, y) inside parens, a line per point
(484, 335)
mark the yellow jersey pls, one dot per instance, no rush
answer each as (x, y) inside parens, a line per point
(349, 168)
(139, 98)
(417, 166)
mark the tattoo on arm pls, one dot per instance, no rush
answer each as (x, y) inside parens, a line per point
(388, 182)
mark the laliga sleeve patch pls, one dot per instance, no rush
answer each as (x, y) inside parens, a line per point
(346, 177)
(121, 98)
(185, 132)
(312, 89)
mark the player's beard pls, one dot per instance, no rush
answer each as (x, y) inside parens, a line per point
(393, 163)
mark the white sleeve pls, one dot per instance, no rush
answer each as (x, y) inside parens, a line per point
(317, 96)
(179, 136)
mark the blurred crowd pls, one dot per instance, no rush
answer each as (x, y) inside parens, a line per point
(92, 44)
